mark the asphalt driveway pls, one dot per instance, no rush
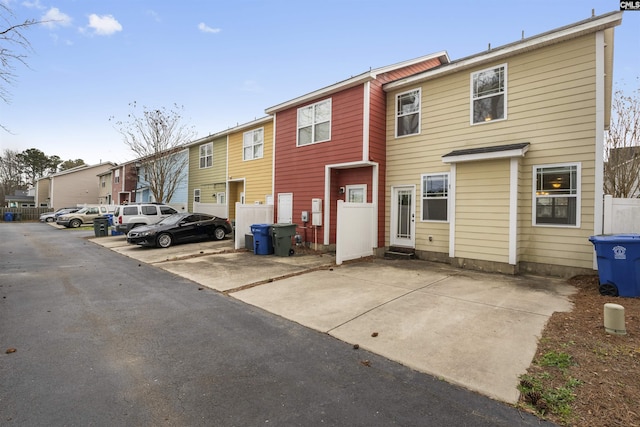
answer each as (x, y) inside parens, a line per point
(473, 329)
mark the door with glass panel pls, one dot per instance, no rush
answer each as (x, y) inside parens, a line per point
(403, 216)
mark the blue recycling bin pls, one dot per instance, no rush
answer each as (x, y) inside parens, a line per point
(618, 257)
(8, 216)
(262, 242)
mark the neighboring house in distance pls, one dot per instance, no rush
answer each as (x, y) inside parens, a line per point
(76, 186)
(124, 180)
(504, 169)
(250, 164)
(105, 188)
(173, 163)
(207, 181)
(20, 199)
(334, 139)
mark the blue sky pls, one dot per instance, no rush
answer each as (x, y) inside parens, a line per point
(227, 61)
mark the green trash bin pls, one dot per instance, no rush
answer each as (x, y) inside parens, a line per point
(101, 226)
(282, 235)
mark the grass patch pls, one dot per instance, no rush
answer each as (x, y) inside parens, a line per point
(539, 392)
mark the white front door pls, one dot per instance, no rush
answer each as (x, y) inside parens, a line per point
(285, 208)
(403, 216)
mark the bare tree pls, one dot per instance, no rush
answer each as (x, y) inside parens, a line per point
(622, 147)
(13, 48)
(158, 138)
(10, 175)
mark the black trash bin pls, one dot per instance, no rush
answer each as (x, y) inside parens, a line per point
(282, 235)
(618, 258)
(17, 216)
(101, 226)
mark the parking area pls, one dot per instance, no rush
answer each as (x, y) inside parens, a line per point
(473, 329)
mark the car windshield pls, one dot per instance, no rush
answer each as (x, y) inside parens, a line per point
(171, 219)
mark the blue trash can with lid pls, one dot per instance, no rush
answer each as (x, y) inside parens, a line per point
(618, 257)
(262, 242)
(8, 216)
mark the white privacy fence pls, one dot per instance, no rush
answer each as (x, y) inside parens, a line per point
(219, 210)
(621, 215)
(246, 216)
(355, 233)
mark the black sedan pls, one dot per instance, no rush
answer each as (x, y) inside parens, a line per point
(180, 228)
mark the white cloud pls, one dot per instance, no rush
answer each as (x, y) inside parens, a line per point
(206, 29)
(30, 4)
(104, 25)
(251, 86)
(54, 18)
(153, 14)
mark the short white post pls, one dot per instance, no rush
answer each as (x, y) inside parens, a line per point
(614, 319)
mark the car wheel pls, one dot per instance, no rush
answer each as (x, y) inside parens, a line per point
(75, 223)
(164, 240)
(219, 233)
(49, 219)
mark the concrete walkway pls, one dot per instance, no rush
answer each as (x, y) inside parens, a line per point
(477, 330)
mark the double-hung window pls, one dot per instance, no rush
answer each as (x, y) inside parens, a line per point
(116, 176)
(314, 123)
(408, 113)
(196, 195)
(557, 195)
(435, 197)
(488, 94)
(206, 155)
(253, 144)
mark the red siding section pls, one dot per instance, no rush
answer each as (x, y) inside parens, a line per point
(301, 170)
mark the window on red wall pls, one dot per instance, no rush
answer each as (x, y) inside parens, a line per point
(314, 123)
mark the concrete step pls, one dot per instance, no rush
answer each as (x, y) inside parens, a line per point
(392, 254)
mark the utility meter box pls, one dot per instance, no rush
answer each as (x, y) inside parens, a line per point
(305, 216)
(316, 212)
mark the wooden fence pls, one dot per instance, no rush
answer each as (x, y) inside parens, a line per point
(24, 214)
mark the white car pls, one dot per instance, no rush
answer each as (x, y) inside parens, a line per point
(126, 217)
(52, 216)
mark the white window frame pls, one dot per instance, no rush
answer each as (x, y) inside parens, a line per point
(196, 195)
(503, 93)
(577, 188)
(401, 114)
(313, 123)
(205, 160)
(221, 198)
(350, 188)
(252, 144)
(446, 197)
(116, 176)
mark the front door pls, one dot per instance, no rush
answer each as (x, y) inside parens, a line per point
(285, 208)
(403, 216)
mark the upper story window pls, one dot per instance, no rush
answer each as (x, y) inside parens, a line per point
(435, 197)
(488, 94)
(253, 144)
(103, 181)
(116, 176)
(314, 123)
(557, 195)
(408, 113)
(206, 155)
(196, 195)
